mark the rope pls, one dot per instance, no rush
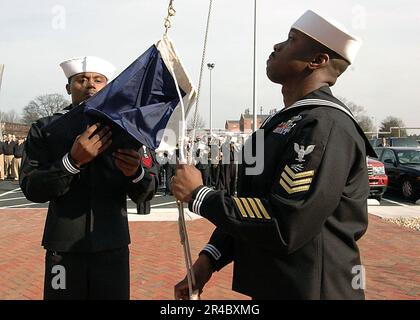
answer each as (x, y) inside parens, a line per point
(181, 221)
(203, 58)
(182, 158)
(168, 24)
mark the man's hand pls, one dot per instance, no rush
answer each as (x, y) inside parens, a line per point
(88, 146)
(128, 161)
(186, 180)
(202, 271)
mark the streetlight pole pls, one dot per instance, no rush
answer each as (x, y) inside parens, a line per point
(1, 113)
(254, 91)
(211, 67)
(375, 121)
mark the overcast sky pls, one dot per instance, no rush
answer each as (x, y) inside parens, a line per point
(35, 36)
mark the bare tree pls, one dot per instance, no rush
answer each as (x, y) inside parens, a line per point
(355, 109)
(390, 122)
(200, 122)
(10, 116)
(359, 113)
(366, 123)
(43, 106)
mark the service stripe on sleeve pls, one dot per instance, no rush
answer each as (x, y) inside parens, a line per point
(254, 207)
(247, 207)
(240, 207)
(262, 208)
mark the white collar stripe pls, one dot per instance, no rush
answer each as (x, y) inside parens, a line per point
(309, 102)
(320, 102)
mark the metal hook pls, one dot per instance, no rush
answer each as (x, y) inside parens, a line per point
(171, 13)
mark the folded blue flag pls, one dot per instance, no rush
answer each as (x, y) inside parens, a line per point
(143, 105)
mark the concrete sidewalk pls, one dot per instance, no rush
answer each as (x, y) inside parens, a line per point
(169, 214)
(389, 210)
(388, 251)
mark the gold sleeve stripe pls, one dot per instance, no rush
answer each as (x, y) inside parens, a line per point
(297, 182)
(299, 175)
(262, 208)
(240, 207)
(255, 208)
(247, 208)
(293, 190)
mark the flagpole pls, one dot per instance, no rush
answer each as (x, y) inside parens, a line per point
(193, 292)
(254, 91)
(1, 113)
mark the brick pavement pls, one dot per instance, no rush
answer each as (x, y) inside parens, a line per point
(388, 252)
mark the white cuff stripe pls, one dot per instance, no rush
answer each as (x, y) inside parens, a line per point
(213, 251)
(139, 177)
(201, 202)
(210, 252)
(200, 193)
(194, 206)
(68, 165)
(199, 199)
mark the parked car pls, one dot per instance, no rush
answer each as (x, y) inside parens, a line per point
(402, 166)
(378, 180)
(394, 142)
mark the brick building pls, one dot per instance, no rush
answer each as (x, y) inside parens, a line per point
(20, 130)
(232, 126)
(245, 122)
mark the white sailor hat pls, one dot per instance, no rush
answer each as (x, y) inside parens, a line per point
(329, 33)
(87, 64)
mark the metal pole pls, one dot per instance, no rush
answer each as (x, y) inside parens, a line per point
(1, 113)
(211, 66)
(254, 91)
(211, 110)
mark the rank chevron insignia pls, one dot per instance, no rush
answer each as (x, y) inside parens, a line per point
(293, 182)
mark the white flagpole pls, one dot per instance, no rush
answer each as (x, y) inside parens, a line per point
(1, 73)
(254, 91)
(1, 114)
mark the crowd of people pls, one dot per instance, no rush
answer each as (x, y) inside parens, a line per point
(216, 158)
(11, 152)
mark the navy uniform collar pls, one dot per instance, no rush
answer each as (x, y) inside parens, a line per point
(324, 93)
(322, 97)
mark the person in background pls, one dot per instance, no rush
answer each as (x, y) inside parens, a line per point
(148, 160)
(18, 154)
(2, 158)
(8, 156)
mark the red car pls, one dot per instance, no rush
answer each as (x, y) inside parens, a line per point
(378, 180)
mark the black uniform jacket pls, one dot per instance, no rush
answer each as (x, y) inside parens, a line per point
(88, 207)
(292, 229)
